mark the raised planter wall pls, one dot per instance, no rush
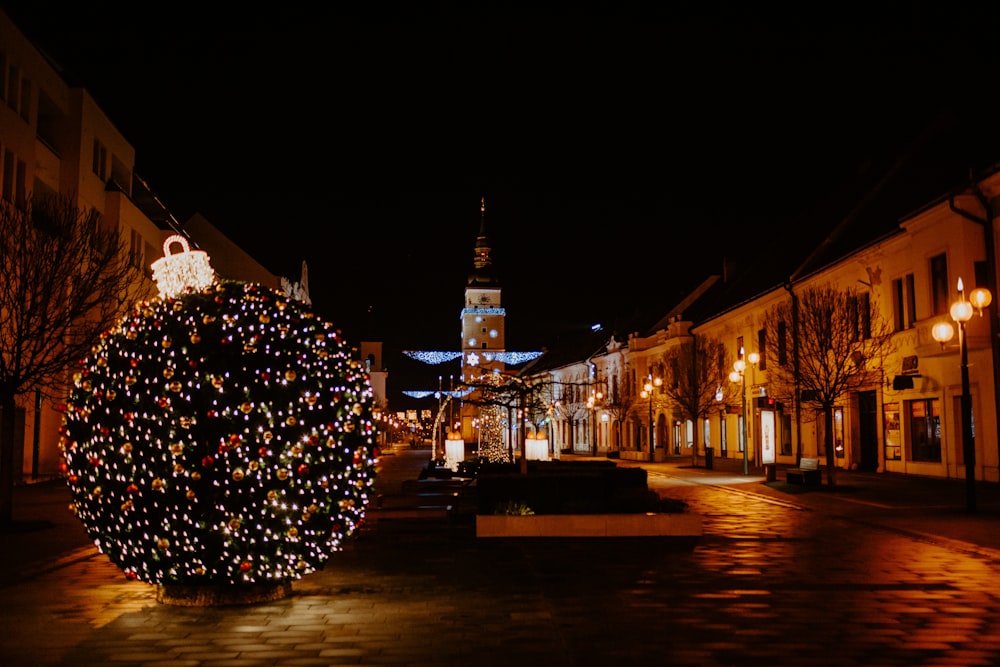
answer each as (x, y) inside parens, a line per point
(589, 525)
(573, 488)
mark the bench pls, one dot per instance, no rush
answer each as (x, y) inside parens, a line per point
(808, 472)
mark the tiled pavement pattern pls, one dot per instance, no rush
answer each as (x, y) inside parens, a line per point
(868, 576)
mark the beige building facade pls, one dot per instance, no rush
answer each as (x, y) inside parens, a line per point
(909, 421)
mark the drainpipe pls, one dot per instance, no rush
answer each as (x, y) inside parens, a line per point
(991, 277)
(795, 367)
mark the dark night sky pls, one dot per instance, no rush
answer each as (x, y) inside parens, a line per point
(622, 150)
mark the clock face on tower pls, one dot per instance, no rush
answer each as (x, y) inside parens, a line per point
(484, 298)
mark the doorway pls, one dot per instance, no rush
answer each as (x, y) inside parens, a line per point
(868, 430)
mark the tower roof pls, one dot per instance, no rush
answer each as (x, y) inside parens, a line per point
(483, 274)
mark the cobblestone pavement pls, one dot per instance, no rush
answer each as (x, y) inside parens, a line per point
(777, 579)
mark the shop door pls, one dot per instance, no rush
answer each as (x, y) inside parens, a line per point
(868, 430)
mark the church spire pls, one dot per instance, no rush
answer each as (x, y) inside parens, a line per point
(483, 263)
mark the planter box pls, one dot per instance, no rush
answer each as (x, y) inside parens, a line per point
(589, 525)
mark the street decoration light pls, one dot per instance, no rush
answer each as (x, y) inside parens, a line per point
(647, 392)
(739, 375)
(961, 312)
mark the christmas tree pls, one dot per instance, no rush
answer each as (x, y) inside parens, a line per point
(221, 435)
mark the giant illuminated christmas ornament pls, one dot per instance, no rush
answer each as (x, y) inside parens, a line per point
(221, 435)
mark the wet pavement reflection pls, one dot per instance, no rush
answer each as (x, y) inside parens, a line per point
(775, 579)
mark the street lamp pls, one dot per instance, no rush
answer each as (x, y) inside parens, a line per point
(647, 392)
(739, 375)
(961, 312)
(592, 401)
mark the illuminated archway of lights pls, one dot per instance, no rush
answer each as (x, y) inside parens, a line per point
(222, 435)
(458, 393)
(432, 357)
(492, 424)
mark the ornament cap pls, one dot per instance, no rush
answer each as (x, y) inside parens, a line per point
(188, 269)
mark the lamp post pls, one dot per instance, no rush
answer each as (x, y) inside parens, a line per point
(739, 375)
(961, 312)
(595, 397)
(647, 392)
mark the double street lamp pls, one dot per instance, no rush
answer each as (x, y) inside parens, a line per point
(592, 401)
(961, 312)
(647, 392)
(739, 375)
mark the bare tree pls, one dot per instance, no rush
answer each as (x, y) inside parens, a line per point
(531, 397)
(619, 402)
(67, 280)
(696, 380)
(838, 347)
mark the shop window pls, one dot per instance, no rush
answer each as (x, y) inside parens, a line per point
(893, 444)
(786, 435)
(723, 436)
(957, 411)
(742, 433)
(838, 432)
(924, 417)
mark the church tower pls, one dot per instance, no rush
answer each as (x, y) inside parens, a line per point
(483, 424)
(482, 323)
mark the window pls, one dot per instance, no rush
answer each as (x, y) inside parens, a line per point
(864, 315)
(762, 349)
(957, 411)
(893, 450)
(939, 284)
(25, 107)
(136, 248)
(3, 72)
(911, 301)
(8, 175)
(838, 432)
(782, 343)
(786, 434)
(100, 159)
(904, 303)
(20, 188)
(859, 312)
(12, 83)
(742, 434)
(723, 436)
(924, 417)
